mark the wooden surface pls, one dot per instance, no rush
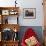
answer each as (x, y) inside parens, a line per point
(10, 26)
(9, 43)
(44, 6)
(0, 43)
(9, 8)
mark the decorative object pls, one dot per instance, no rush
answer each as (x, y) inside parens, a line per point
(30, 38)
(5, 12)
(15, 30)
(29, 13)
(13, 12)
(31, 41)
(15, 37)
(15, 3)
(7, 34)
(6, 21)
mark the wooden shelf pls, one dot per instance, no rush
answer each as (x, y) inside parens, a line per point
(5, 12)
(11, 26)
(9, 43)
(4, 24)
(9, 7)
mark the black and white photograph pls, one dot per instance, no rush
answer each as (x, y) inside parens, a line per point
(29, 13)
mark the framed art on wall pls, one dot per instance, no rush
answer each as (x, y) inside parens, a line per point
(29, 13)
(5, 12)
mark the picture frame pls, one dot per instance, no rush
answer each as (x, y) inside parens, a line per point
(5, 12)
(29, 13)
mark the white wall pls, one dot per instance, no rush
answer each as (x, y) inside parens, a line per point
(39, 13)
(27, 4)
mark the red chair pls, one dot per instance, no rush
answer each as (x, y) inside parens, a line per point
(29, 33)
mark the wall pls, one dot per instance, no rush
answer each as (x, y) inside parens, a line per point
(27, 4)
(39, 13)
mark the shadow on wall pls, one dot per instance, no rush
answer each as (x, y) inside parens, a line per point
(37, 29)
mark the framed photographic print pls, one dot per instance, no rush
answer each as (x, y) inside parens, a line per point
(29, 13)
(5, 12)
